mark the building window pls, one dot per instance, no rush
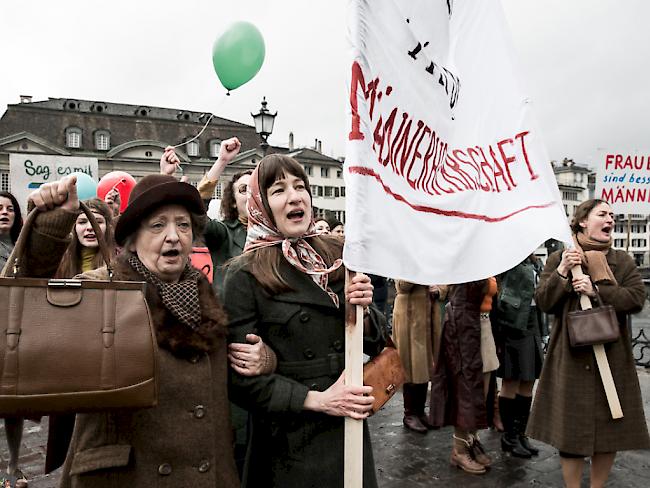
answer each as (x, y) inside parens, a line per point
(102, 140)
(4, 182)
(325, 172)
(309, 169)
(215, 144)
(570, 195)
(342, 191)
(618, 228)
(73, 137)
(619, 242)
(193, 148)
(329, 191)
(320, 191)
(217, 191)
(339, 173)
(336, 192)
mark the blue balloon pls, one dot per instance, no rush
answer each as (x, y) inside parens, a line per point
(86, 186)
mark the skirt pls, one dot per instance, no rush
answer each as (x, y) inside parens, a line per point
(520, 352)
(488, 348)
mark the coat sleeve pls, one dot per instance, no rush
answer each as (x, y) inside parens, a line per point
(215, 234)
(628, 296)
(47, 242)
(552, 289)
(271, 393)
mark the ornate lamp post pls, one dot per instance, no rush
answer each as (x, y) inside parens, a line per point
(264, 124)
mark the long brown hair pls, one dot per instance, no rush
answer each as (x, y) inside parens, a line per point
(264, 263)
(71, 261)
(228, 203)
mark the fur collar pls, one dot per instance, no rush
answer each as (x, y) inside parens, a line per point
(172, 335)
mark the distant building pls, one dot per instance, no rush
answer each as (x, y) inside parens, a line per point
(132, 138)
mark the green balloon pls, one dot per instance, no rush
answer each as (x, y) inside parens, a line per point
(238, 54)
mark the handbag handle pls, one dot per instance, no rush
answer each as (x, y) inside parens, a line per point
(13, 262)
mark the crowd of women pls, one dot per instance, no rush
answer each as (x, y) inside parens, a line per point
(251, 366)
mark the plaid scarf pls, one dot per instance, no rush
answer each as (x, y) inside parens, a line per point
(297, 251)
(182, 298)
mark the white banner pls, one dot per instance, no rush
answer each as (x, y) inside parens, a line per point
(447, 178)
(27, 172)
(623, 180)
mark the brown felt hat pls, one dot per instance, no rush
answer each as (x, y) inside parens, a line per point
(151, 192)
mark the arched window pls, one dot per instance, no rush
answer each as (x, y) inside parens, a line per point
(73, 137)
(193, 148)
(214, 145)
(102, 140)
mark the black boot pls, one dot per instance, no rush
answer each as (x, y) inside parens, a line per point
(510, 438)
(523, 412)
(412, 408)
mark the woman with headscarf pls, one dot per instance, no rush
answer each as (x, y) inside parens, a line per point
(288, 287)
(570, 410)
(185, 440)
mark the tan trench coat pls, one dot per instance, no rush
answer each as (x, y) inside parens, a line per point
(570, 410)
(417, 327)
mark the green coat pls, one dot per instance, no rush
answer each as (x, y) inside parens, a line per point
(290, 447)
(512, 302)
(225, 240)
(570, 410)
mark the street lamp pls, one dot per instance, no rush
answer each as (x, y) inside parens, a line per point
(264, 124)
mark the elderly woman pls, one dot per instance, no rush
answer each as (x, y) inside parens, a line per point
(288, 287)
(185, 440)
(570, 410)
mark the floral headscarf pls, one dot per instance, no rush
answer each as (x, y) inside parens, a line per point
(262, 232)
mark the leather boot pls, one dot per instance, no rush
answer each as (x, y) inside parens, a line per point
(496, 414)
(461, 457)
(510, 438)
(478, 451)
(413, 408)
(523, 412)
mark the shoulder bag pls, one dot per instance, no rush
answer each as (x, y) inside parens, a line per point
(385, 374)
(73, 345)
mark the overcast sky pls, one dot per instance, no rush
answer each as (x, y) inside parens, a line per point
(585, 63)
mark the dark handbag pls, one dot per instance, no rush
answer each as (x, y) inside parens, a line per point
(385, 374)
(597, 325)
(73, 345)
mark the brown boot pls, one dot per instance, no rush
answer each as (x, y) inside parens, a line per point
(478, 451)
(461, 457)
(497, 423)
(414, 423)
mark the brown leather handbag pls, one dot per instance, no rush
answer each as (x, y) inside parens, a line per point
(73, 345)
(385, 374)
(598, 325)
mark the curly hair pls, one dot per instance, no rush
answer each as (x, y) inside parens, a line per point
(228, 203)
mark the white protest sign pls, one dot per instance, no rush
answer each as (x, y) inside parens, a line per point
(28, 172)
(447, 177)
(623, 180)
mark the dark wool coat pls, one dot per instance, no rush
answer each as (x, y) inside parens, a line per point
(186, 439)
(570, 410)
(290, 447)
(457, 396)
(225, 240)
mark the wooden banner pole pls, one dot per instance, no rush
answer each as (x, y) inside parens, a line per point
(601, 360)
(353, 444)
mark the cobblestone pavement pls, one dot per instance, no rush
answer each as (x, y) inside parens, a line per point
(405, 459)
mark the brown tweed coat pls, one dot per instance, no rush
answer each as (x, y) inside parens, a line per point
(417, 326)
(570, 409)
(186, 439)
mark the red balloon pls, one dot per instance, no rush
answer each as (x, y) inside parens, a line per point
(120, 180)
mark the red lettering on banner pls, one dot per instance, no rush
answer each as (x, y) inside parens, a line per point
(507, 160)
(521, 135)
(433, 170)
(608, 160)
(357, 79)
